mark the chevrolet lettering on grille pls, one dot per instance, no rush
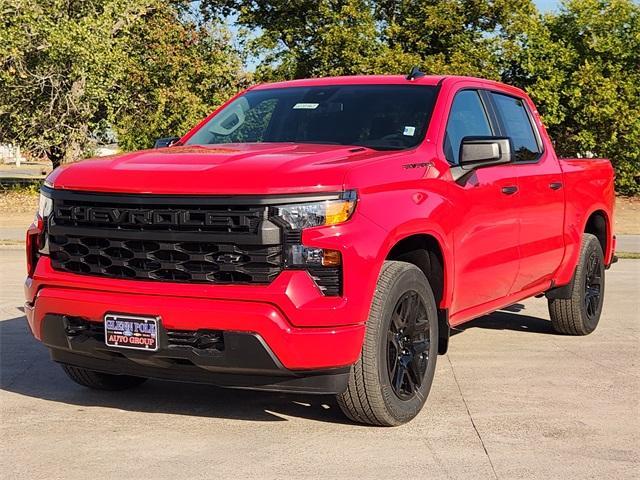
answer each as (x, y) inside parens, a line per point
(122, 216)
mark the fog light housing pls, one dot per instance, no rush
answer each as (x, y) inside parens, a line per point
(302, 256)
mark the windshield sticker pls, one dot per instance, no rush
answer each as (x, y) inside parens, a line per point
(305, 106)
(409, 131)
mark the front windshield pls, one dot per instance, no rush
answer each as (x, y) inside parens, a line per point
(382, 117)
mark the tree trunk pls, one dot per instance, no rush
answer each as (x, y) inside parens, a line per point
(55, 155)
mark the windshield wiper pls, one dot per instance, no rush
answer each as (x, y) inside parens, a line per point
(382, 147)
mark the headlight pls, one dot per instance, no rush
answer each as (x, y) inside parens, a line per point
(316, 214)
(45, 207)
(37, 242)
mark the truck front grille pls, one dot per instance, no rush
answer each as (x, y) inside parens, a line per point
(185, 239)
(150, 238)
(168, 261)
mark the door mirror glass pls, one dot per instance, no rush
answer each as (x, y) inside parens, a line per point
(478, 152)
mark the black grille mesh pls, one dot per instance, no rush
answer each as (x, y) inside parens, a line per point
(329, 279)
(165, 261)
(181, 239)
(176, 339)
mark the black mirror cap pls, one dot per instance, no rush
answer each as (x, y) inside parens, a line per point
(484, 151)
(165, 142)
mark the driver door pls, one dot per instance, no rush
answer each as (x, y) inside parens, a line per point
(486, 235)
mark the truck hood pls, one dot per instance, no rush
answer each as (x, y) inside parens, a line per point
(217, 169)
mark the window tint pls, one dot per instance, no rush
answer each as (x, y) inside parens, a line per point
(467, 118)
(244, 123)
(383, 117)
(518, 126)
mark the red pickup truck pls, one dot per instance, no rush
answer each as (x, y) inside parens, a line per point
(318, 236)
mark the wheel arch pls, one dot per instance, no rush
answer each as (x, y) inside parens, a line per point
(425, 250)
(598, 224)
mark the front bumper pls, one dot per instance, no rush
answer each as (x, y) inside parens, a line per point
(239, 360)
(305, 332)
(295, 348)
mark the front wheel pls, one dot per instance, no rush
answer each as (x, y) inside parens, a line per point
(579, 314)
(390, 382)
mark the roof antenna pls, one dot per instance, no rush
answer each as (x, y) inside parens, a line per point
(415, 73)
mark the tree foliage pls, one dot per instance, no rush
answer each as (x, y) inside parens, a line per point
(306, 38)
(71, 68)
(176, 73)
(580, 65)
(150, 68)
(582, 68)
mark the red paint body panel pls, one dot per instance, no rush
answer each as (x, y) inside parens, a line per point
(296, 348)
(496, 249)
(217, 170)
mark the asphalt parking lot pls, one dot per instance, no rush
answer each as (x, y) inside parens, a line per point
(510, 400)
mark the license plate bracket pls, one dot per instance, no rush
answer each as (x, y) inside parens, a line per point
(131, 331)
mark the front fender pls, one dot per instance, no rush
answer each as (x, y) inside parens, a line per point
(417, 209)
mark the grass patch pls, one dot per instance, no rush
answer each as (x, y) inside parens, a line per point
(632, 255)
(12, 243)
(16, 201)
(31, 188)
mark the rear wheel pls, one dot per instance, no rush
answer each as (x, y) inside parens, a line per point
(101, 381)
(390, 382)
(579, 314)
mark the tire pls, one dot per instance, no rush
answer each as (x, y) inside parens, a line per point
(386, 386)
(101, 381)
(579, 314)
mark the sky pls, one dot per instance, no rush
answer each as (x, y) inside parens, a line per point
(547, 5)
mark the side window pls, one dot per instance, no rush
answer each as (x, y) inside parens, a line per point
(467, 118)
(517, 125)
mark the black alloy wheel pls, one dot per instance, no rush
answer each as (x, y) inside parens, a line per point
(578, 311)
(390, 382)
(408, 346)
(593, 286)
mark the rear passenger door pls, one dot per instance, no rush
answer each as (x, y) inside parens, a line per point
(540, 198)
(486, 227)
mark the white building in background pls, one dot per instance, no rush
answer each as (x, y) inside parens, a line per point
(10, 153)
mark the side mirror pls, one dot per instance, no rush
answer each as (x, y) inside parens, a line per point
(478, 152)
(165, 142)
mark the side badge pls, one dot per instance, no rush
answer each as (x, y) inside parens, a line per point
(408, 166)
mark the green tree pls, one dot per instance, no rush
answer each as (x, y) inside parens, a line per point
(582, 68)
(150, 68)
(303, 38)
(69, 68)
(176, 73)
(308, 38)
(451, 37)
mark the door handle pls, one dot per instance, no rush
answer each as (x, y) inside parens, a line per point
(555, 185)
(510, 190)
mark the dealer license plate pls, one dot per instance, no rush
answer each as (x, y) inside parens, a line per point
(127, 331)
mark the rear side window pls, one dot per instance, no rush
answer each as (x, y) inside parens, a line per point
(517, 124)
(467, 119)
